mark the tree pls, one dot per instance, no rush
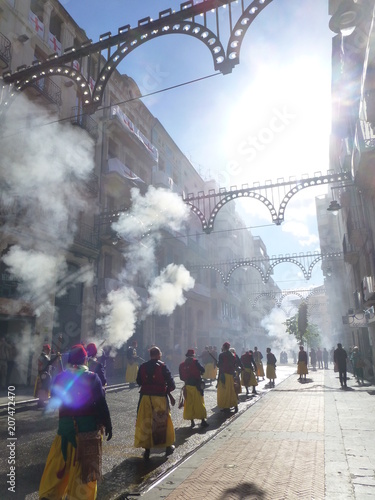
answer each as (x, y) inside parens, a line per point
(302, 319)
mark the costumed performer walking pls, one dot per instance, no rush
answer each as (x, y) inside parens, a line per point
(74, 462)
(191, 372)
(154, 426)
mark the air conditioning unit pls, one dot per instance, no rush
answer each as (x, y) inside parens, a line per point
(368, 287)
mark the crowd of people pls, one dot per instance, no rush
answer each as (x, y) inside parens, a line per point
(74, 384)
(76, 387)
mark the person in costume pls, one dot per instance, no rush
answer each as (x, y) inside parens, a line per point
(226, 394)
(258, 356)
(132, 363)
(271, 367)
(154, 426)
(209, 363)
(42, 388)
(302, 369)
(95, 365)
(191, 372)
(73, 464)
(237, 372)
(248, 377)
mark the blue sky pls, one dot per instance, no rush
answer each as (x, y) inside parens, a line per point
(284, 75)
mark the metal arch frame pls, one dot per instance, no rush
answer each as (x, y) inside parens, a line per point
(190, 28)
(209, 226)
(241, 27)
(277, 260)
(127, 39)
(285, 259)
(246, 263)
(214, 268)
(283, 294)
(305, 183)
(225, 196)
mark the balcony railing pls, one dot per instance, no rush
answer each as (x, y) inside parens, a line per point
(8, 287)
(84, 121)
(351, 253)
(48, 89)
(5, 54)
(86, 236)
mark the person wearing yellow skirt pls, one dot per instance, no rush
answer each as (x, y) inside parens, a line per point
(132, 365)
(226, 394)
(302, 369)
(271, 367)
(154, 426)
(73, 464)
(190, 372)
(258, 356)
(248, 378)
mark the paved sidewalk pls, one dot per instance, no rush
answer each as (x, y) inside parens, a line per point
(300, 441)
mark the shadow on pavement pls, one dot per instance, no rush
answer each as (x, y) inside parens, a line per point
(243, 491)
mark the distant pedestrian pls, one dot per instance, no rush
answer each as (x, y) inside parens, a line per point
(258, 356)
(302, 369)
(191, 372)
(271, 367)
(226, 394)
(319, 357)
(325, 358)
(340, 359)
(313, 358)
(154, 426)
(358, 364)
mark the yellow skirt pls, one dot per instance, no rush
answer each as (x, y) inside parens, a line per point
(260, 369)
(131, 373)
(302, 368)
(226, 395)
(252, 380)
(143, 427)
(210, 371)
(270, 372)
(70, 485)
(194, 404)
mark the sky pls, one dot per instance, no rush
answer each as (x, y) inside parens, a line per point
(225, 124)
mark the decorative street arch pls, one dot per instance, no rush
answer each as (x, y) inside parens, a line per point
(91, 79)
(305, 262)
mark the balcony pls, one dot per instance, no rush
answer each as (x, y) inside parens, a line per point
(85, 121)
(357, 231)
(133, 133)
(48, 88)
(8, 287)
(351, 253)
(116, 166)
(5, 55)
(86, 240)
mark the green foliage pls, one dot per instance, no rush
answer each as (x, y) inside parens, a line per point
(302, 318)
(312, 336)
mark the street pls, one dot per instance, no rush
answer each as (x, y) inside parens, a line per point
(124, 469)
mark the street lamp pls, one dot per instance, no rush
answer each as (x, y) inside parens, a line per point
(348, 15)
(334, 207)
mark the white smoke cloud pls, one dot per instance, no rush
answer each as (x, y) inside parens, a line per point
(280, 339)
(141, 226)
(43, 166)
(166, 292)
(119, 316)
